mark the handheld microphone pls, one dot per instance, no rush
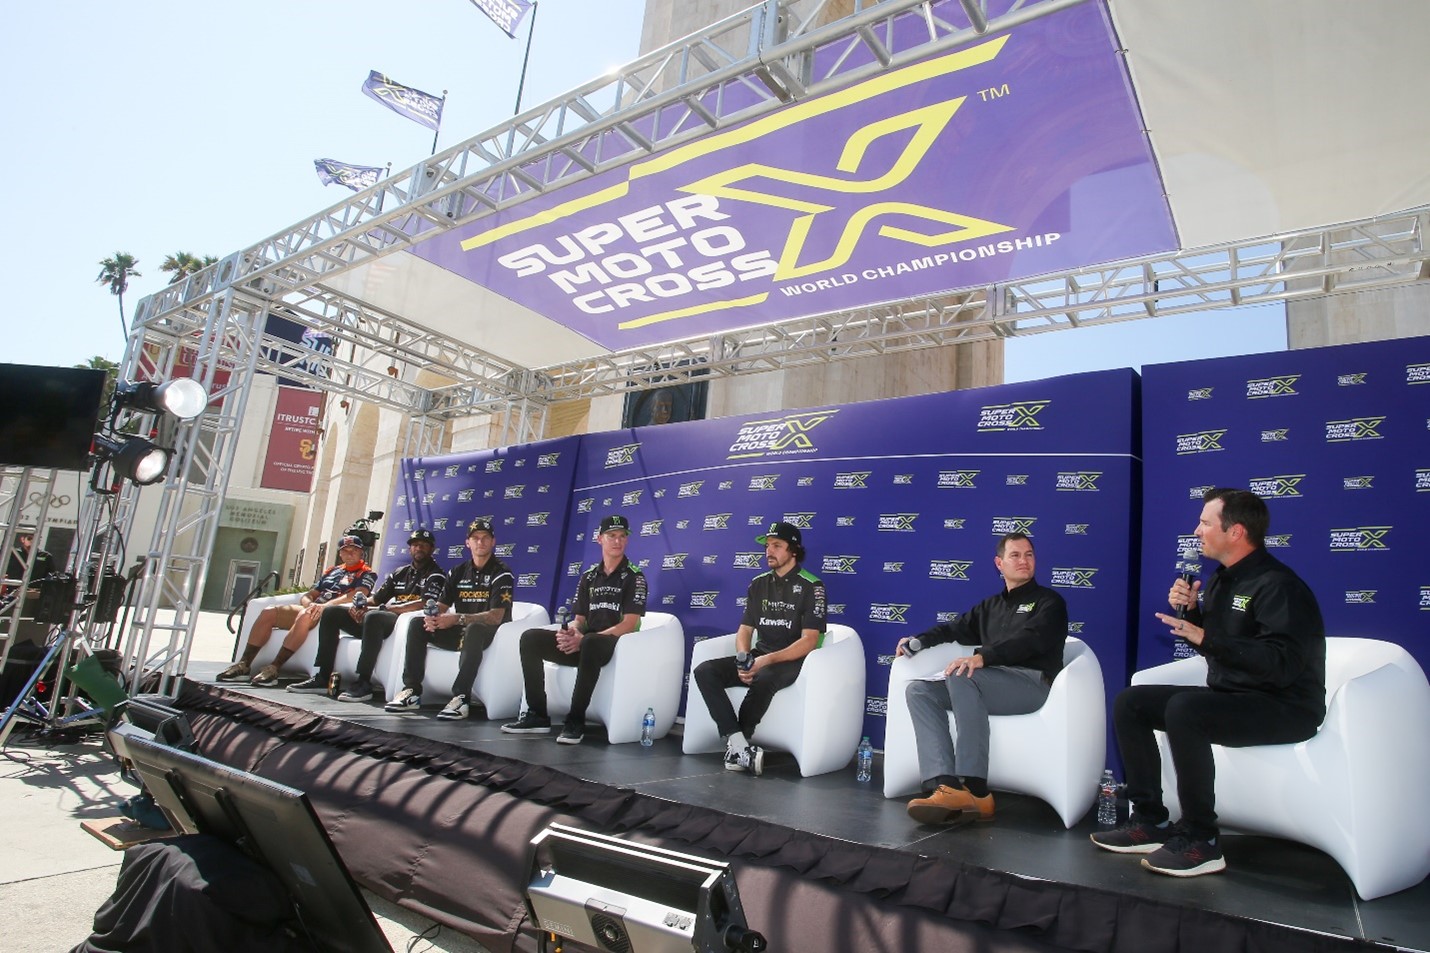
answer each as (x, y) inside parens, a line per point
(563, 617)
(743, 661)
(432, 608)
(1189, 570)
(359, 600)
(913, 646)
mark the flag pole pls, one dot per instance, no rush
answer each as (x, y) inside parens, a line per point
(521, 85)
(438, 130)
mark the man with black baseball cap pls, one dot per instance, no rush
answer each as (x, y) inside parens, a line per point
(473, 605)
(405, 590)
(784, 621)
(610, 600)
(337, 586)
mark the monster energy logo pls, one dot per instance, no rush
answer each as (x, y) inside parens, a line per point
(537, 519)
(897, 522)
(584, 506)
(1277, 486)
(1274, 436)
(1079, 481)
(631, 497)
(622, 455)
(1358, 483)
(717, 521)
(1349, 380)
(703, 600)
(1003, 525)
(777, 436)
(1207, 441)
(957, 479)
(651, 527)
(949, 568)
(690, 489)
(1200, 393)
(1076, 577)
(674, 560)
(853, 480)
(1359, 539)
(494, 466)
(1019, 415)
(1360, 597)
(839, 565)
(1357, 428)
(514, 491)
(528, 580)
(1272, 387)
(763, 482)
(888, 612)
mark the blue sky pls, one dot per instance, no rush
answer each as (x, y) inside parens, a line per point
(160, 126)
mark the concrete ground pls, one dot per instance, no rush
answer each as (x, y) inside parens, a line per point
(54, 875)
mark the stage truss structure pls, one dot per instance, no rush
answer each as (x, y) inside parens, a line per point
(652, 105)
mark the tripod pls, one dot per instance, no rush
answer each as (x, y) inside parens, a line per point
(28, 706)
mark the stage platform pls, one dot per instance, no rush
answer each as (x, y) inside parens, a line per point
(1268, 880)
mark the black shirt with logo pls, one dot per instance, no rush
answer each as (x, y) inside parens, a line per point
(780, 608)
(1024, 627)
(606, 598)
(479, 589)
(411, 582)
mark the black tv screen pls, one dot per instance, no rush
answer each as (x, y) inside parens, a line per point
(48, 415)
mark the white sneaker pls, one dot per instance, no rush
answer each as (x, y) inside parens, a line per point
(406, 700)
(456, 710)
(733, 760)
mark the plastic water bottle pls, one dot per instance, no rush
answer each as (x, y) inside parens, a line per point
(648, 728)
(1107, 800)
(866, 761)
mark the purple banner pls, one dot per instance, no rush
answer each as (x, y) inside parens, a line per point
(506, 14)
(1020, 155)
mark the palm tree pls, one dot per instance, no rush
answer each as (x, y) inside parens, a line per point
(182, 264)
(111, 374)
(116, 272)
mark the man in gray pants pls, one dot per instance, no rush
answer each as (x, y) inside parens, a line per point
(1020, 634)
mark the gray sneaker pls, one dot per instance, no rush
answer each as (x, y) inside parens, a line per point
(406, 701)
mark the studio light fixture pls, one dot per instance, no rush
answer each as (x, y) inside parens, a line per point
(134, 458)
(183, 397)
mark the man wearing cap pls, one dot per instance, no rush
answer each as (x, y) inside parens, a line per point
(610, 600)
(404, 591)
(783, 622)
(471, 607)
(337, 586)
(1020, 633)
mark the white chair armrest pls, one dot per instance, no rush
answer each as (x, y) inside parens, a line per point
(1187, 671)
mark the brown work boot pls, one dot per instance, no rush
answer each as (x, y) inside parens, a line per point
(235, 672)
(951, 806)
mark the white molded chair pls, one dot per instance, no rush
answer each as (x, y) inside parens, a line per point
(1356, 789)
(647, 671)
(350, 650)
(1056, 753)
(498, 682)
(819, 719)
(302, 660)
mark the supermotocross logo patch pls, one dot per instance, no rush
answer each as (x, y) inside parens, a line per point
(1357, 428)
(1076, 577)
(839, 565)
(1206, 441)
(1350, 380)
(1359, 539)
(622, 455)
(1360, 597)
(1417, 373)
(703, 600)
(957, 479)
(674, 560)
(888, 612)
(584, 506)
(1272, 387)
(1003, 525)
(749, 560)
(514, 491)
(1019, 415)
(777, 436)
(1080, 481)
(632, 497)
(494, 466)
(1425, 598)
(763, 482)
(1422, 481)
(689, 489)
(651, 527)
(717, 521)
(852, 480)
(548, 460)
(465, 496)
(1358, 483)
(528, 580)
(897, 522)
(1199, 393)
(801, 520)
(537, 519)
(949, 568)
(1278, 541)
(1277, 487)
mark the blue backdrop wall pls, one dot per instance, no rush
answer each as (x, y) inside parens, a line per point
(1338, 442)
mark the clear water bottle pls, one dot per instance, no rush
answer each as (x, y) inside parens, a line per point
(1107, 800)
(648, 728)
(865, 770)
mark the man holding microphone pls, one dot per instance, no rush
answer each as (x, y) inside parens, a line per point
(1259, 627)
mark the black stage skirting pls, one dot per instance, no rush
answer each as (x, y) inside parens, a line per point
(443, 830)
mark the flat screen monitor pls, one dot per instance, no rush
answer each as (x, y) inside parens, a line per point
(48, 415)
(272, 823)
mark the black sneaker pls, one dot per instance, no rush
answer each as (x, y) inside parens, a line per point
(528, 724)
(1134, 837)
(753, 760)
(1184, 856)
(734, 760)
(406, 700)
(571, 734)
(360, 692)
(317, 685)
(456, 710)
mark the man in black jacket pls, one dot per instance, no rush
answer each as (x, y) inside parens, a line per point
(1259, 628)
(1020, 633)
(404, 590)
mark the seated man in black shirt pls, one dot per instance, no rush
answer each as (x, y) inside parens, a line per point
(610, 600)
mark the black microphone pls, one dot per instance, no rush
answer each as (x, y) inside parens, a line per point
(563, 617)
(1189, 571)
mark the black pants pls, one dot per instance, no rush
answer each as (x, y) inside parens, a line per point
(375, 627)
(471, 640)
(539, 645)
(713, 676)
(1195, 718)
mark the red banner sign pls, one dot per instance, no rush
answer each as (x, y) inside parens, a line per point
(293, 440)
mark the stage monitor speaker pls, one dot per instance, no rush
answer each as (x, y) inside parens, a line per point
(614, 895)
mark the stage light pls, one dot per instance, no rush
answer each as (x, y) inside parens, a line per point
(182, 397)
(135, 458)
(612, 894)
